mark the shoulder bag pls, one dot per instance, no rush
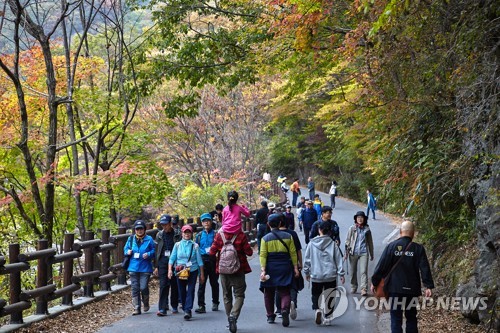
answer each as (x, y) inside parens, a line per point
(380, 291)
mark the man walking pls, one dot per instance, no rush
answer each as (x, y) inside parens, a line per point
(406, 263)
(310, 187)
(165, 240)
(308, 217)
(204, 239)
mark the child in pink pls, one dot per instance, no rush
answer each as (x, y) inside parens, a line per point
(231, 214)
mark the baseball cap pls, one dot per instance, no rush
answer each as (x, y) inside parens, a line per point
(139, 224)
(165, 219)
(187, 227)
(206, 216)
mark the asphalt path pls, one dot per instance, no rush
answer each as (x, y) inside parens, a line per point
(253, 315)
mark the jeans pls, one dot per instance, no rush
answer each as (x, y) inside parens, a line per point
(166, 285)
(186, 291)
(318, 288)
(363, 268)
(210, 274)
(311, 194)
(397, 309)
(140, 288)
(284, 293)
(332, 200)
(295, 196)
(233, 283)
(368, 208)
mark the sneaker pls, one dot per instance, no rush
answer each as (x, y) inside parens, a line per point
(146, 308)
(270, 319)
(327, 322)
(215, 307)
(286, 319)
(161, 313)
(293, 311)
(232, 325)
(174, 310)
(136, 312)
(201, 309)
(318, 317)
(363, 292)
(187, 315)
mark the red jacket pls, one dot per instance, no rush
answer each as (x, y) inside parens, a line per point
(240, 244)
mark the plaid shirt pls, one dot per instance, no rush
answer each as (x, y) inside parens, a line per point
(240, 244)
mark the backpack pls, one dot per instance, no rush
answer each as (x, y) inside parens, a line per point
(229, 263)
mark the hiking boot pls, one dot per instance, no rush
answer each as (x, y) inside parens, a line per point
(146, 308)
(318, 317)
(286, 319)
(162, 313)
(232, 324)
(187, 315)
(215, 307)
(201, 309)
(293, 310)
(136, 312)
(270, 319)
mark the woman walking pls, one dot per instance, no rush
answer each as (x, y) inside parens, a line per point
(187, 261)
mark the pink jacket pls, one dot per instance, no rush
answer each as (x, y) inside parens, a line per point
(231, 219)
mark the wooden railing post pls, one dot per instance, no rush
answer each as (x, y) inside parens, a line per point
(88, 288)
(106, 260)
(69, 240)
(122, 276)
(42, 278)
(15, 284)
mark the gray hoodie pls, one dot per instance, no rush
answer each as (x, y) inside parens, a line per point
(323, 261)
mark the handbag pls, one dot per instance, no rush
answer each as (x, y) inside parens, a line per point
(126, 259)
(380, 291)
(181, 271)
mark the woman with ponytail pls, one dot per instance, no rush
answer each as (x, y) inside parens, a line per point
(231, 214)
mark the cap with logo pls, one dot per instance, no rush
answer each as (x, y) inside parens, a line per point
(165, 219)
(139, 224)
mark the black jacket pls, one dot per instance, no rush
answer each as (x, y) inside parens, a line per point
(405, 278)
(261, 216)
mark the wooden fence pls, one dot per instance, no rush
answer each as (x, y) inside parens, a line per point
(102, 268)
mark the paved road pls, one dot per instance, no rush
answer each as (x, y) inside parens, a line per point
(253, 315)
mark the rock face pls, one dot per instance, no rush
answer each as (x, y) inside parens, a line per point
(482, 144)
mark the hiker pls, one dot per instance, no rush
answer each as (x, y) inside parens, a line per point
(308, 216)
(326, 216)
(278, 260)
(310, 187)
(317, 204)
(232, 271)
(371, 203)
(359, 247)
(300, 207)
(289, 218)
(295, 188)
(298, 282)
(333, 193)
(322, 266)
(165, 240)
(204, 239)
(141, 249)
(403, 265)
(261, 221)
(231, 214)
(186, 261)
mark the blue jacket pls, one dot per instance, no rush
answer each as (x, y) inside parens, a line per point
(140, 264)
(204, 240)
(309, 216)
(182, 251)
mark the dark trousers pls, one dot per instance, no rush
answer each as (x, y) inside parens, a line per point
(307, 231)
(332, 200)
(318, 288)
(295, 196)
(186, 291)
(166, 285)
(293, 297)
(261, 232)
(284, 293)
(368, 208)
(399, 304)
(210, 274)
